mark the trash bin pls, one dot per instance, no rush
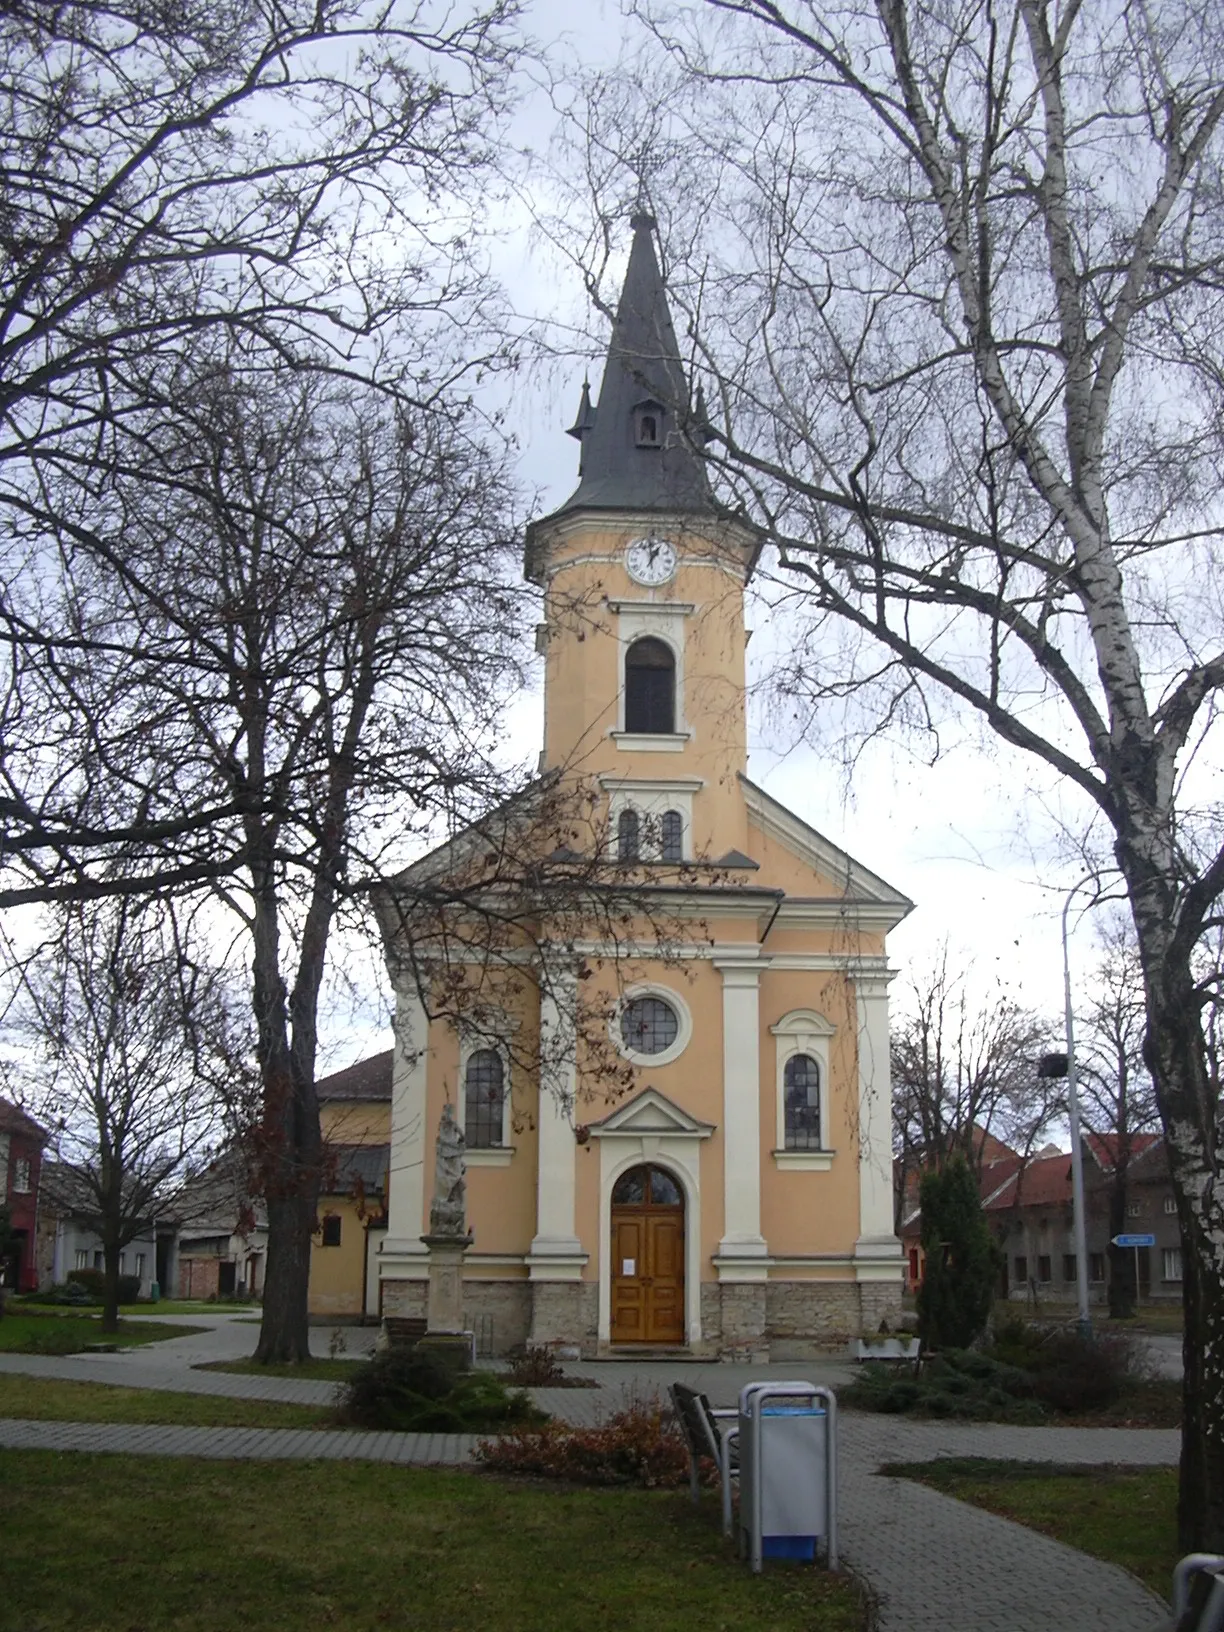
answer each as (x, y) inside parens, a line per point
(154, 1293)
(788, 1471)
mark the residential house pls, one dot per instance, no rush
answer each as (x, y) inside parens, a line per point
(21, 1147)
(355, 1115)
(213, 1236)
(69, 1239)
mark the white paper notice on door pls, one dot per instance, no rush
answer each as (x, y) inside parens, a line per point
(628, 1266)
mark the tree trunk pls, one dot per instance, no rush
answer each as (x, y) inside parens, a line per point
(1176, 1057)
(110, 1286)
(284, 1334)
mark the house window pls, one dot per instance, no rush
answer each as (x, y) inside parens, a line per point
(1170, 1205)
(99, 1260)
(140, 1265)
(21, 1176)
(1044, 1271)
(1068, 1266)
(331, 1231)
(650, 688)
(649, 1025)
(81, 1259)
(484, 1099)
(1021, 1263)
(1135, 1210)
(801, 1082)
(628, 835)
(123, 1263)
(1171, 1264)
(1096, 1266)
(671, 836)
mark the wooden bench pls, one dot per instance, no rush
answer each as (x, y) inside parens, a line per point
(703, 1436)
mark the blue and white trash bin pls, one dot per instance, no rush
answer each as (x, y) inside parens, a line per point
(788, 1471)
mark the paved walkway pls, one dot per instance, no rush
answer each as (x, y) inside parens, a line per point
(932, 1564)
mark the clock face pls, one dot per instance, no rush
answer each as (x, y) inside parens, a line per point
(650, 560)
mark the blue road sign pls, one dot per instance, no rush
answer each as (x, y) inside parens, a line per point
(1134, 1240)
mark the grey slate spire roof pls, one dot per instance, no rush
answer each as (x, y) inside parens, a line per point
(619, 470)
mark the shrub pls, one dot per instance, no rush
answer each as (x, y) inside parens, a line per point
(962, 1260)
(94, 1282)
(71, 1293)
(641, 1445)
(1079, 1373)
(416, 1391)
(535, 1368)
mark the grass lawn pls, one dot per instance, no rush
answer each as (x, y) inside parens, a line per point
(1127, 1516)
(335, 1370)
(47, 1399)
(53, 1332)
(361, 1547)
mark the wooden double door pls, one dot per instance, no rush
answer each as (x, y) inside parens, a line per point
(647, 1258)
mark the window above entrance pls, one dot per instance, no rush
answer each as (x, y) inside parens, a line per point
(652, 1026)
(646, 1187)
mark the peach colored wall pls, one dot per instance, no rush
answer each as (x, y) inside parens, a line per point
(809, 1212)
(500, 1200)
(582, 680)
(356, 1122)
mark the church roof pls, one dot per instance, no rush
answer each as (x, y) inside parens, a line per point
(618, 470)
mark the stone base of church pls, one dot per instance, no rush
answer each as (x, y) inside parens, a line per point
(780, 1320)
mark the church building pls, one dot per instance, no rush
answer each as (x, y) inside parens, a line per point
(728, 1190)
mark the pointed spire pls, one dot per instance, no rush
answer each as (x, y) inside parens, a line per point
(635, 453)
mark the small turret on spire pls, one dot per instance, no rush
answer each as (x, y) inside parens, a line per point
(585, 423)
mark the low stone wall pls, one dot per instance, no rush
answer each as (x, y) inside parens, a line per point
(506, 1308)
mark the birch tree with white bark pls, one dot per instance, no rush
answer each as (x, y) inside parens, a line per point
(955, 274)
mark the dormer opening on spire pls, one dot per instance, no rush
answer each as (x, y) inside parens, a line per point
(648, 424)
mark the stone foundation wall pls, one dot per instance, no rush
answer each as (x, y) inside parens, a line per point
(881, 1300)
(499, 1312)
(565, 1313)
(405, 1298)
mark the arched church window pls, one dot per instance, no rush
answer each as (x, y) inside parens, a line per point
(671, 836)
(650, 687)
(649, 1025)
(802, 1087)
(647, 1187)
(484, 1098)
(628, 835)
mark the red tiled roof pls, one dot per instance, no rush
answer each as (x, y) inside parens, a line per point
(1103, 1147)
(14, 1120)
(1045, 1181)
(368, 1079)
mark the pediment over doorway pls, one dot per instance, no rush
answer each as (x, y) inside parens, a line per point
(650, 1114)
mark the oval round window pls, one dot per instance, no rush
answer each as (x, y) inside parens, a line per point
(649, 1025)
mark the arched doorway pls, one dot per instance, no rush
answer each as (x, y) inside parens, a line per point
(647, 1257)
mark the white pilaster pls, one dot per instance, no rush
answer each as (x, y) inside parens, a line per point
(742, 1250)
(556, 1253)
(877, 1251)
(402, 1252)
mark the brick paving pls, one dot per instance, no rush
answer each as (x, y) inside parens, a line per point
(932, 1564)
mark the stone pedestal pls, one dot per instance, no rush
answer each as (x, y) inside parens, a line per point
(444, 1311)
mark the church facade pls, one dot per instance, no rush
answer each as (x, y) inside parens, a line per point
(727, 1190)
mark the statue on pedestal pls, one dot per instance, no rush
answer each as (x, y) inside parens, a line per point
(447, 1214)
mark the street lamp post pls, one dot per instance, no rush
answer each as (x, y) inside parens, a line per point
(1077, 1153)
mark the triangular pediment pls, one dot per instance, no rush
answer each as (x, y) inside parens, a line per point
(652, 1114)
(820, 853)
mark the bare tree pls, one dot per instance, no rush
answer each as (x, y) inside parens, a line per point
(963, 1074)
(314, 625)
(1116, 1088)
(305, 180)
(132, 1047)
(955, 275)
